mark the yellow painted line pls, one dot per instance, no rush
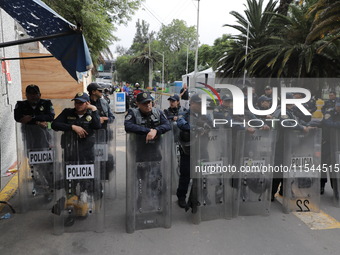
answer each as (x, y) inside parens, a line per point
(318, 221)
(9, 190)
(315, 221)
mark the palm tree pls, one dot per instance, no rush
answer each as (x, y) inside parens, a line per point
(283, 7)
(287, 54)
(233, 61)
(144, 58)
(326, 21)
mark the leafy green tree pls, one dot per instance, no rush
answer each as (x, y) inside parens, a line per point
(98, 19)
(205, 56)
(177, 34)
(142, 37)
(128, 71)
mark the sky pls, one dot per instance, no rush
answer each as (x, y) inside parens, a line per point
(213, 14)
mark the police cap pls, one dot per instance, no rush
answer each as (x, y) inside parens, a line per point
(94, 86)
(174, 98)
(289, 96)
(143, 97)
(196, 98)
(267, 88)
(227, 98)
(263, 98)
(81, 96)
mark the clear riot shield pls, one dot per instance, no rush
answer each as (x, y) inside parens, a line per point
(79, 186)
(256, 155)
(35, 164)
(148, 182)
(175, 158)
(334, 168)
(301, 176)
(210, 165)
(105, 151)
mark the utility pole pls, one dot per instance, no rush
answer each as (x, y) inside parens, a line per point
(245, 60)
(197, 38)
(163, 72)
(187, 66)
(150, 65)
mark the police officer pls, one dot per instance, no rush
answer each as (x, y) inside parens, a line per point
(292, 121)
(34, 110)
(224, 111)
(82, 120)
(175, 110)
(268, 92)
(192, 121)
(106, 117)
(35, 113)
(96, 99)
(329, 104)
(310, 106)
(264, 103)
(147, 172)
(146, 120)
(330, 121)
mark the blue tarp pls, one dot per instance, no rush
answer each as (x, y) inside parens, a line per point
(40, 20)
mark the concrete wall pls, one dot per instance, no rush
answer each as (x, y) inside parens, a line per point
(10, 93)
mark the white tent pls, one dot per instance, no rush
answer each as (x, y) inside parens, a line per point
(205, 76)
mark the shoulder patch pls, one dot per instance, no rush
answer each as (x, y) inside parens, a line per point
(327, 116)
(128, 117)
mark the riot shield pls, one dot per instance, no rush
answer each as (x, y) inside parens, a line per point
(175, 158)
(256, 155)
(210, 162)
(35, 164)
(334, 168)
(79, 186)
(105, 151)
(148, 182)
(301, 176)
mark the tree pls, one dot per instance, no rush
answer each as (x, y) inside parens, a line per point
(283, 7)
(233, 61)
(176, 35)
(287, 54)
(326, 20)
(142, 37)
(98, 19)
(220, 47)
(128, 71)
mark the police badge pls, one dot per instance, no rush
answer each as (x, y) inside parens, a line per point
(88, 118)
